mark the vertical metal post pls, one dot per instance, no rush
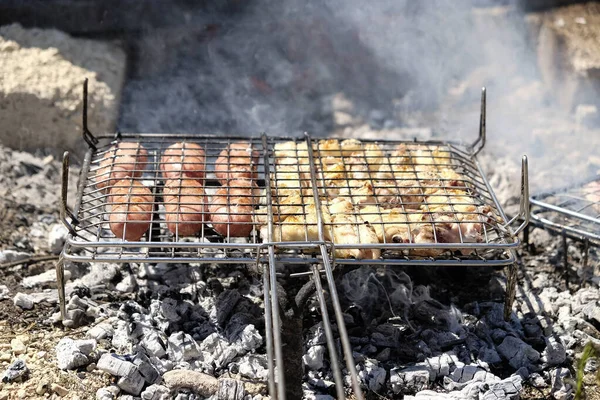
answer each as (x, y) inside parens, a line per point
(274, 300)
(337, 308)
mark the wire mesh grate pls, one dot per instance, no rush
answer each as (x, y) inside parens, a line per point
(152, 197)
(574, 210)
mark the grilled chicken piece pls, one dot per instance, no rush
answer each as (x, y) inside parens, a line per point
(329, 148)
(348, 227)
(351, 147)
(360, 192)
(294, 150)
(357, 168)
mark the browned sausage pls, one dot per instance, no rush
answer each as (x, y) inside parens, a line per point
(183, 160)
(131, 209)
(231, 212)
(185, 206)
(237, 161)
(124, 160)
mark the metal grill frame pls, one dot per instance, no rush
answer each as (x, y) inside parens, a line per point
(548, 212)
(304, 251)
(268, 257)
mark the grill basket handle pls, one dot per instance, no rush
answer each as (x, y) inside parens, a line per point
(524, 206)
(64, 210)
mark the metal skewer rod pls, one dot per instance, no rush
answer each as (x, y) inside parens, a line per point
(269, 329)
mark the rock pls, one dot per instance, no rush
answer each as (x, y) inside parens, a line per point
(313, 358)
(71, 354)
(57, 237)
(17, 346)
(59, 390)
(16, 372)
(23, 301)
(56, 65)
(517, 353)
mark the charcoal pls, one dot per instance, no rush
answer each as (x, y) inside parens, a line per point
(509, 389)
(224, 305)
(517, 353)
(116, 365)
(100, 331)
(56, 238)
(372, 375)
(253, 367)
(145, 368)
(560, 389)
(231, 389)
(16, 372)
(412, 379)
(132, 383)
(183, 347)
(555, 352)
(155, 392)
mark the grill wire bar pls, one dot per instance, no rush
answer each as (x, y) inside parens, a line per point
(573, 210)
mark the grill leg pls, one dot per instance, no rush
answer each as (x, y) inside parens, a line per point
(60, 281)
(565, 258)
(511, 290)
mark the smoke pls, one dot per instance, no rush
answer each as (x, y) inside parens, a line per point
(385, 293)
(278, 67)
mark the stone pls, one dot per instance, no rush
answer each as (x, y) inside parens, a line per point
(17, 346)
(16, 372)
(517, 353)
(59, 390)
(23, 301)
(313, 358)
(69, 353)
(57, 237)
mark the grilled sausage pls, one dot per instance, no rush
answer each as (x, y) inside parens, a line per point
(185, 206)
(231, 209)
(124, 160)
(236, 162)
(130, 209)
(183, 160)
